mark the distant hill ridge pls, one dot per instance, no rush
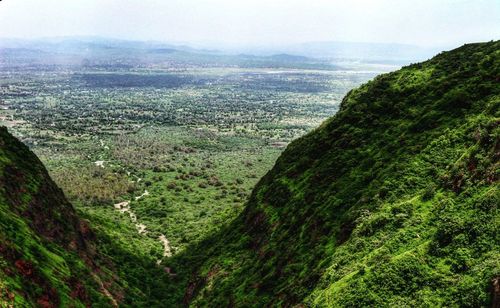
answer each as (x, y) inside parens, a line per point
(311, 53)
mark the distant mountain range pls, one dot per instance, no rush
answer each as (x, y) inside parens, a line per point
(113, 52)
(314, 54)
(367, 52)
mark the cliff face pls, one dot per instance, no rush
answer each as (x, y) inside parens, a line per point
(46, 256)
(393, 201)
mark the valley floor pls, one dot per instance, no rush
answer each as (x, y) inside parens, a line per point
(156, 168)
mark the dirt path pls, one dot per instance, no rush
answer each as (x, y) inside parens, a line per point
(141, 228)
(166, 246)
(144, 194)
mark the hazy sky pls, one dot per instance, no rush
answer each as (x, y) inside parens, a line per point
(257, 22)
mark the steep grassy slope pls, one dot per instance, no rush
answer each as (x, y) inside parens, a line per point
(393, 201)
(45, 256)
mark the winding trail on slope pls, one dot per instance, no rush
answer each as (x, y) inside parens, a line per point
(124, 207)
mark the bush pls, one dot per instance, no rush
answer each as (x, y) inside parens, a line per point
(429, 192)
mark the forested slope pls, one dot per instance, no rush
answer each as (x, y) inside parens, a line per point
(393, 201)
(46, 251)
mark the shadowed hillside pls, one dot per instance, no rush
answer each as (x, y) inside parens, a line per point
(46, 251)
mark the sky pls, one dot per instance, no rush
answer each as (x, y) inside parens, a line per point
(425, 23)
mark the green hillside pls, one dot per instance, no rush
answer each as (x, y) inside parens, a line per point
(46, 251)
(391, 202)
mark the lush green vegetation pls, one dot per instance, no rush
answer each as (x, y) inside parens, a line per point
(158, 155)
(392, 202)
(46, 252)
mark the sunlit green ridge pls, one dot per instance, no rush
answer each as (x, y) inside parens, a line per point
(391, 202)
